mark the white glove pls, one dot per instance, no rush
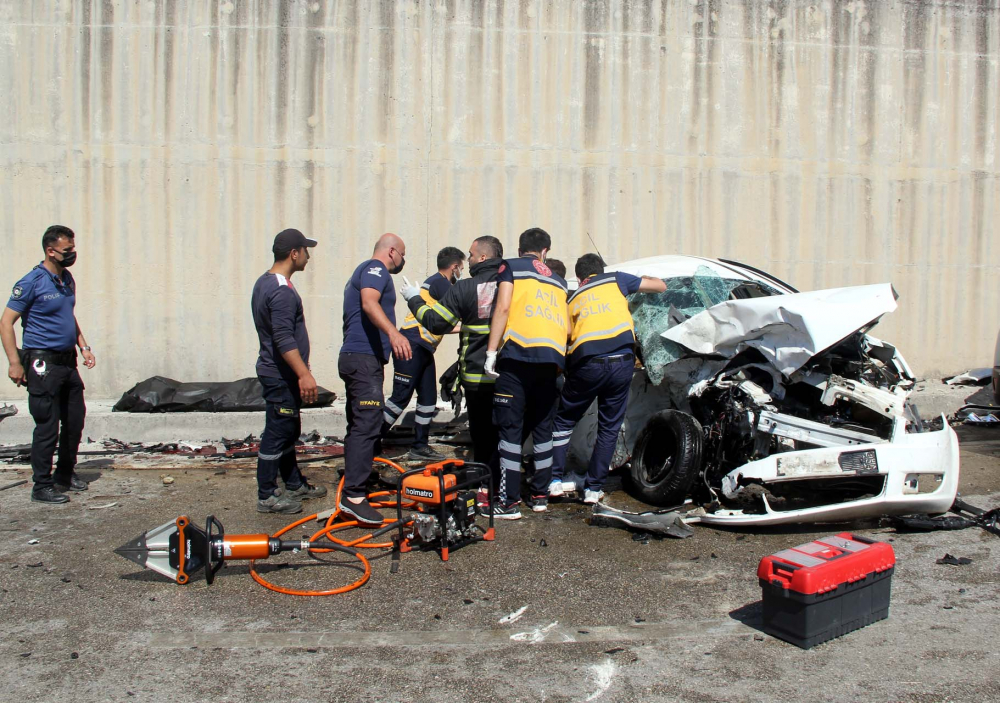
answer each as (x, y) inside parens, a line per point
(408, 290)
(491, 364)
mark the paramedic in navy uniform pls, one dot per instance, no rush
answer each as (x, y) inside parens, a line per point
(44, 301)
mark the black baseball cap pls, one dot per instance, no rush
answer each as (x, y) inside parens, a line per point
(289, 239)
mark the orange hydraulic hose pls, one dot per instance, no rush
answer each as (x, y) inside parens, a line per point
(333, 526)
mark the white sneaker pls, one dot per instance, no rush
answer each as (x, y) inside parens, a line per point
(556, 489)
(569, 487)
(591, 497)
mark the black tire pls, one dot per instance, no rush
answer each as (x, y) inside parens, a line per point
(666, 459)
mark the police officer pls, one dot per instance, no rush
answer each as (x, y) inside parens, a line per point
(531, 322)
(370, 336)
(285, 378)
(44, 300)
(419, 372)
(470, 302)
(599, 365)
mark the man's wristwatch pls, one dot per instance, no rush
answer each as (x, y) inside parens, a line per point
(84, 348)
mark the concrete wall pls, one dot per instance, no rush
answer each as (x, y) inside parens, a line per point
(832, 143)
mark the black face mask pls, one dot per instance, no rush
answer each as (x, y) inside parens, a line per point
(396, 269)
(69, 258)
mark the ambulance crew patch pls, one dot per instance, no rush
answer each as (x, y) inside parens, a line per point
(541, 268)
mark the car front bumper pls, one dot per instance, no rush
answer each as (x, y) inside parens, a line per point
(921, 476)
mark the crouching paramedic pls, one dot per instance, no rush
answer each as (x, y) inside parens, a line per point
(599, 365)
(470, 302)
(531, 321)
(419, 372)
(285, 378)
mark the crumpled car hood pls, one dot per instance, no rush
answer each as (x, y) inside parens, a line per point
(788, 330)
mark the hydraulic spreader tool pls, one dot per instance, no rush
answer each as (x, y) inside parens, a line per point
(443, 495)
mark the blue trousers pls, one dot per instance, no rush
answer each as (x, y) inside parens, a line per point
(524, 403)
(282, 427)
(607, 379)
(416, 374)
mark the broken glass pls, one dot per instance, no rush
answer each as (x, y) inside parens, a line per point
(655, 313)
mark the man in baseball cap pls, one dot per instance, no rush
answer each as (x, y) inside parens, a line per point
(285, 377)
(287, 240)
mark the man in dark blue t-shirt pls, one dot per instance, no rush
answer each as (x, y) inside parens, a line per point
(419, 372)
(44, 300)
(370, 337)
(285, 378)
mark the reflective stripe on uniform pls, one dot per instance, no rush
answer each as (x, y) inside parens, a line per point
(542, 447)
(600, 334)
(533, 341)
(509, 447)
(393, 407)
(561, 438)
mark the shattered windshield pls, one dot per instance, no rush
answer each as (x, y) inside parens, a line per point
(686, 296)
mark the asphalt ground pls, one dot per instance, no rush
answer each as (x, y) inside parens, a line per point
(605, 617)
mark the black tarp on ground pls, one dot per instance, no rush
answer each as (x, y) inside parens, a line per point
(165, 395)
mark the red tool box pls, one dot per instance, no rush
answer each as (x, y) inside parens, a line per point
(825, 589)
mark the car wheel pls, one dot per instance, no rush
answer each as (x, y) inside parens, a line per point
(667, 458)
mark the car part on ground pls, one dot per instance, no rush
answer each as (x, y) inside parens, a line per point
(802, 415)
(965, 516)
(658, 522)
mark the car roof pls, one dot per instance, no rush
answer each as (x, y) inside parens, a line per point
(674, 265)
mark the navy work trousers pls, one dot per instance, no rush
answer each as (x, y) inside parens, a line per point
(416, 374)
(282, 427)
(363, 376)
(524, 403)
(55, 401)
(607, 379)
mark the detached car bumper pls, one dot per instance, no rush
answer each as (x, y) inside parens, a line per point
(920, 472)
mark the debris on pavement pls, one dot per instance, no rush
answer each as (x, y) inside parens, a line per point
(965, 516)
(972, 377)
(973, 414)
(101, 507)
(953, 561)
(661, 522)
(513, 617)
(167, 480)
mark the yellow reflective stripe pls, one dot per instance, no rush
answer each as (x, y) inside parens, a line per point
(441, 310)
(478, 378)
(477, 329)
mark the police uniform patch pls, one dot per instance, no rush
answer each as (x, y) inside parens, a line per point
(17, 292)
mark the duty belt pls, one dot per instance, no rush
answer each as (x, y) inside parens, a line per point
(59, 358)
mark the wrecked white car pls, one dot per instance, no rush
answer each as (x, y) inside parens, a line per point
(768, 406)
